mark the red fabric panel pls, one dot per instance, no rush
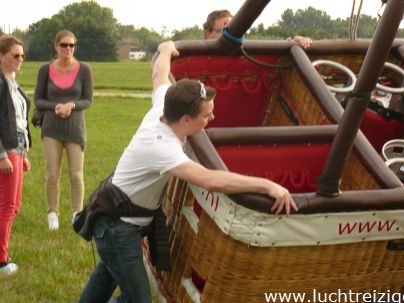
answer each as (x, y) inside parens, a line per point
(295, 167)
(379, 131)
(243, 88)
(237, 108)
(198, 281)
(197, 208)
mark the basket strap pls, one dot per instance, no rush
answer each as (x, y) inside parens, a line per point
(395, 245)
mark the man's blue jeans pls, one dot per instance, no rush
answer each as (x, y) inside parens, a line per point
(121, 264)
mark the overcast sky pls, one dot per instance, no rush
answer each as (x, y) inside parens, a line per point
(171, 14)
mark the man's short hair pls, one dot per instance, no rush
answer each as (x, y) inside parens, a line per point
(209, 24)
(185, 98)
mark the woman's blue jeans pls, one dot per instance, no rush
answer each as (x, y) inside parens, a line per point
(121, 264)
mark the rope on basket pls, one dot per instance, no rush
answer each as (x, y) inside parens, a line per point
(252, 59)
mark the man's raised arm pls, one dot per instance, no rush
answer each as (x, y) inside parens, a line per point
(161, 66)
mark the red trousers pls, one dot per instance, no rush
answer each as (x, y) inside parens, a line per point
(10, 201)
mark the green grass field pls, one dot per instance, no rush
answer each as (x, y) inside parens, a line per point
(54, 266)
(127, 76)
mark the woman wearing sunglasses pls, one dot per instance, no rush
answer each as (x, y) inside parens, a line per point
(64, 89)
(15, 140)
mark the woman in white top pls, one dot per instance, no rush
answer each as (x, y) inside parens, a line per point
(14, 143)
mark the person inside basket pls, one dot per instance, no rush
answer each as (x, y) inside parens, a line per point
(156, 151)
(15, 141)
(218, 19)
(64, 89)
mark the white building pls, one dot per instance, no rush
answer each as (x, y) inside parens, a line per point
(136, 53)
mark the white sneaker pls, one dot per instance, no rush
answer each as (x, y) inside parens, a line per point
(53, 221)
(74, 216)
(9, 269)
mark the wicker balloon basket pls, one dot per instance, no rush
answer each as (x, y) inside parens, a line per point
(210, 266)
(222, 252)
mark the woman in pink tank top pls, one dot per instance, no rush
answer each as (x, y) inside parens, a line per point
(64, 90)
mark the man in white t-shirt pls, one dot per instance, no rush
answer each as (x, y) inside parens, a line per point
(155, 152)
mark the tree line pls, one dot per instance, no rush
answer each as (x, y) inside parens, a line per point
(98, 32)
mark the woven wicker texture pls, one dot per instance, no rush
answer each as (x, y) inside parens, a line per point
(308, 112)
(236, 272)
(356, 177)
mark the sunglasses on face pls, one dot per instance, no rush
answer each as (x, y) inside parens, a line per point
(17, 56)
(65, 45)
